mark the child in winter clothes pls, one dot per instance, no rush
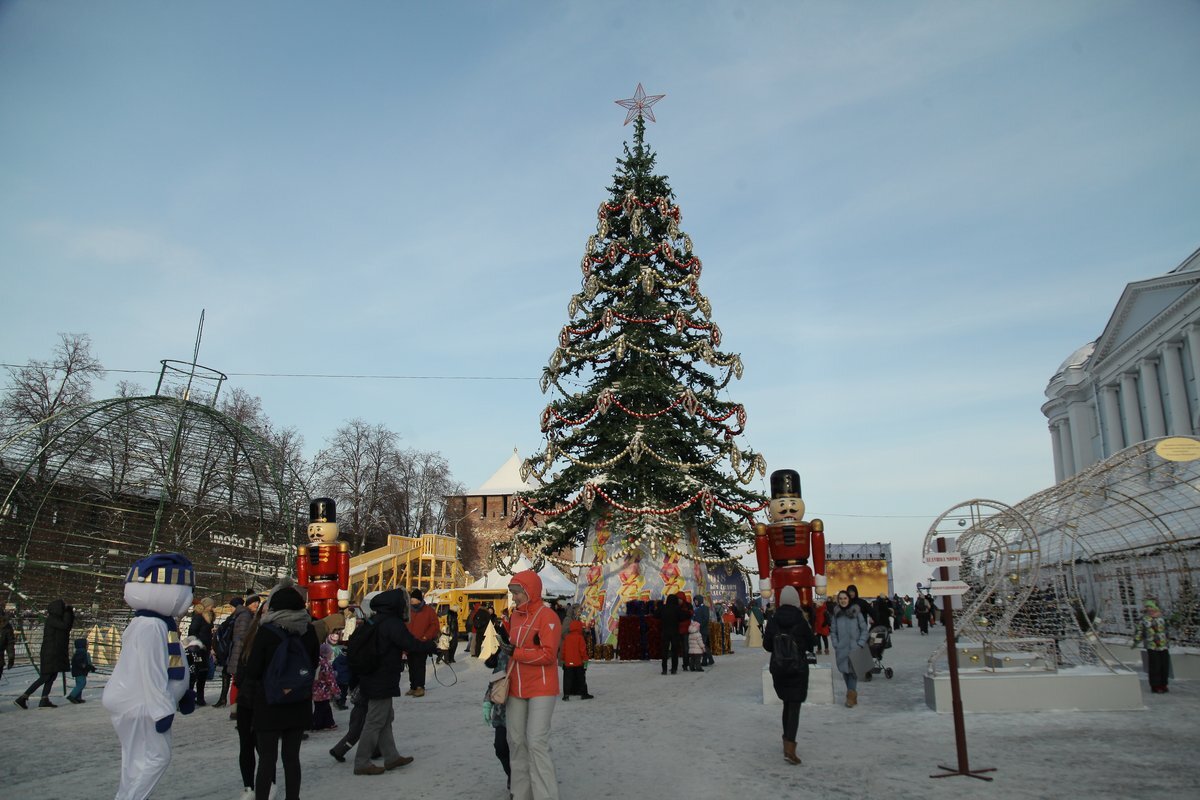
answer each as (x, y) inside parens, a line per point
(695, 646)
(341, 668)
(81, 666)
(325, 688)
(197, 663)
(574, 662)
(493, 713)
(1151, 633)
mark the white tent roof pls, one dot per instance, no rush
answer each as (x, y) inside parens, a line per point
(506, 480)
(554, 583)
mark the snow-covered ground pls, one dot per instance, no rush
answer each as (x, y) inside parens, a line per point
(682, 737)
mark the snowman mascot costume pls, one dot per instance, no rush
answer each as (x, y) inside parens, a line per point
(150, 680)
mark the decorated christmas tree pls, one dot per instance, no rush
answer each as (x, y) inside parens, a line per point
(642, 461)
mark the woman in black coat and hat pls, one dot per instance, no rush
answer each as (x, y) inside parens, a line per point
(283, 723)
(56, 651)
(792, 687)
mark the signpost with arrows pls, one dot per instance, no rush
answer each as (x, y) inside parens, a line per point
(951, 589)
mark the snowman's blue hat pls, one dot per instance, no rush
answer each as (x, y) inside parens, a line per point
(167, 568)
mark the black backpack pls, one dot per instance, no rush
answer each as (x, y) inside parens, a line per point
(362, 647)
(289, 675)
(786, 658)
(223, 640)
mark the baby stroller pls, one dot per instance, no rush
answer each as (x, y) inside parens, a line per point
(879, 638)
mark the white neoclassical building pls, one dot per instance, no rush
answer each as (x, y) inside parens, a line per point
(1138, 381)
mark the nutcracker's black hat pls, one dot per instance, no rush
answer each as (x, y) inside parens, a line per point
(322, 509)
(785, 483)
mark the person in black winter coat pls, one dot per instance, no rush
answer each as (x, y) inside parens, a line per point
(452, 627)
(881, 612)
(791, 688)
(479, 623)
(284, 723)
(383, 684)
(702, 615)
(56, 651)
(8, 643)
(669, 617)
(201, 627)
(864, 607)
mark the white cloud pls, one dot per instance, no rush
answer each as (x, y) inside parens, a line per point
(114, 245)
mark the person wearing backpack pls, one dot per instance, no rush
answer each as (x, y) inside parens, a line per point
(788, 638)
(279, 721)
(222, 645)
(378, 665)
(358, 714)
(923, 609)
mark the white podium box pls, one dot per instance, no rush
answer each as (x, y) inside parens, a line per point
(1078, 688)
(820, 685)
(1016, 659)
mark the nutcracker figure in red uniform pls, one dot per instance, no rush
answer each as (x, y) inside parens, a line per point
(784, 546)
(323, 566)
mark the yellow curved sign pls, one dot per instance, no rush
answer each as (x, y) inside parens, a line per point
(1178, 448)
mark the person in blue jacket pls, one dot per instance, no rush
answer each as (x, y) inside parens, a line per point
(81, 667)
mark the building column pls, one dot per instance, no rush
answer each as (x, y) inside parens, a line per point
(1131, 407)
(1114, 440)
(1081, 416)
(1056, 444)
(1177, 402)
(1065, 448)
(1193, 345)
(1156, 426)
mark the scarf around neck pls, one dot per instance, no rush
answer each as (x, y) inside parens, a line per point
(175, 669)
(291, 620)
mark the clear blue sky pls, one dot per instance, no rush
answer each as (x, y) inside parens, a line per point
(909, 212)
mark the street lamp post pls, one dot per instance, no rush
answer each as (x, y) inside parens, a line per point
(469, 512)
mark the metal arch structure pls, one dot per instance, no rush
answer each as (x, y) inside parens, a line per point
(92, 489)
(996, 543)
(1103, 541)
(1123, 531)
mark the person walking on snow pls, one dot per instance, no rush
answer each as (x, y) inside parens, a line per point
(150, 681)
(847, 632)
(791, 687)
(55, 653)
(279, 727)
(8, 643)
(81, 667)
(382, 685)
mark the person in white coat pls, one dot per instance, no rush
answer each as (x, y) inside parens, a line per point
(150, 681)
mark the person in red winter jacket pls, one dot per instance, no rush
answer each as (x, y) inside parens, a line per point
(424, 626)
(574, 663)
(533, 640)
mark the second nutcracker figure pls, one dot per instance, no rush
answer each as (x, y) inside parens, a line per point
(784, 546)
(323, 565)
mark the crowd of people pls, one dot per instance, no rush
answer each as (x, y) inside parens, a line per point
(530, 641)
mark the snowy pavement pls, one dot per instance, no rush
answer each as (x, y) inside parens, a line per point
(689, 736)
